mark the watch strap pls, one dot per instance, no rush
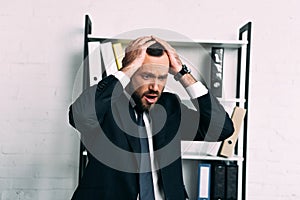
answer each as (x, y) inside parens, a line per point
(183, 71)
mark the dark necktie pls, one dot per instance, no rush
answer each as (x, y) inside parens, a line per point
(145, 178)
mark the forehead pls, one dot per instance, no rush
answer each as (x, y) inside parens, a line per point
(155, 64)
(159, 60)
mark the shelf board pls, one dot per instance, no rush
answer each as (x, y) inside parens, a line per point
(239, 100)
(183, 43)
(224, 100)
(217, 43)
(193, 156)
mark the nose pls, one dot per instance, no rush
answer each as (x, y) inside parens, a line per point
(154, 86)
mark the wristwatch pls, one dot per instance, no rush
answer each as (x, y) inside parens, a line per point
(183, 71)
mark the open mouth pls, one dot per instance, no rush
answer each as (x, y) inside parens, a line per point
(151, 98)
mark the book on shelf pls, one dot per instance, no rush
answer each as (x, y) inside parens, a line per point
(216, 81)
(228, 145)
(118, 52)
(108, 58)
(95, 67)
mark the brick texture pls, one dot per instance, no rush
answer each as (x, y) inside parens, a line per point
(41, 52)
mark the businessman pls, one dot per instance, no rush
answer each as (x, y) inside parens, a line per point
(132, 129)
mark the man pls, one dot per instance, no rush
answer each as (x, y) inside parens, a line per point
(132, 129)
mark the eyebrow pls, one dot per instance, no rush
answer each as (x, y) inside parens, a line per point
(153, 75)
(163, 76)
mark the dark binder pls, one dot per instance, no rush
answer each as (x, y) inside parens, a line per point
(232, 182)
(218, 188)
(216, 81)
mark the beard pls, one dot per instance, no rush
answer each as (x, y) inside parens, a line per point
(140, 105)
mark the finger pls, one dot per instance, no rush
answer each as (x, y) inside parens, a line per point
(170, 50)
(148, 44)
(136, 44)
(141, 40)
(143, 47)
(173, 56)
(166, 45)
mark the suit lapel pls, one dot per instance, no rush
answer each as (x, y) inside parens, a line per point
(125, 118)
(158, 121)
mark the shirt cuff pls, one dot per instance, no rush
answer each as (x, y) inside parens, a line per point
(196, 90)
(122, 77)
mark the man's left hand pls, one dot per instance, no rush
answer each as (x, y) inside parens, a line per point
(175, 62)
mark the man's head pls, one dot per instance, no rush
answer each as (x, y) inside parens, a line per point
(148, 82)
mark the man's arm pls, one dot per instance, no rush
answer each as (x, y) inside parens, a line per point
(214, 122)
(82, 113)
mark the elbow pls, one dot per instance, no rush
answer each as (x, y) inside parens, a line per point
(228, 130)
(71, 118)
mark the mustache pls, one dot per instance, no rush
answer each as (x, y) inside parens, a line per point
(151, 92)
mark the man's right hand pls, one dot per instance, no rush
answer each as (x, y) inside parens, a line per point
(136, 51)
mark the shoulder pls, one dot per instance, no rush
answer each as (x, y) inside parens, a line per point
(169, 99)
(106, 82)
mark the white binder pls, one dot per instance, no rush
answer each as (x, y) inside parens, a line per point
(204, 181)
(95, 68)
(109, 60)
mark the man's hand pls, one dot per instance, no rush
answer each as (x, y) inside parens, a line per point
(175, 62)
(135, 53)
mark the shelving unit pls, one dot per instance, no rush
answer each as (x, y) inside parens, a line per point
(239, 61)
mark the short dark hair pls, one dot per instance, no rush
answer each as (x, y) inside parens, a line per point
(155, 49)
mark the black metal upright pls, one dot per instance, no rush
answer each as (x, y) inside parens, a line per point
(244, 29)
(87, 31)
(86, 83)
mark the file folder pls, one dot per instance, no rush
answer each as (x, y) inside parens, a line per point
(95, 68)
(204, 181)
(228, 145)
(108, 57)
(118, 52)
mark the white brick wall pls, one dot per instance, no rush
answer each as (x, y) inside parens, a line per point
(40, 54)
(41, 51)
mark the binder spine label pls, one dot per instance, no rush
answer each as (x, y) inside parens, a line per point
(216, 83)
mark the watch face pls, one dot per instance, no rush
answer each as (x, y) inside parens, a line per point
(185, 70)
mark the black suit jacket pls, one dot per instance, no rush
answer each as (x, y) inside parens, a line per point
(103, 116)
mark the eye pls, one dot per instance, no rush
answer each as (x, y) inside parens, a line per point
(162, 78)
(145, 76)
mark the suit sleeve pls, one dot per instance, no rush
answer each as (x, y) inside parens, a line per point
(82, 113)
(214, 123)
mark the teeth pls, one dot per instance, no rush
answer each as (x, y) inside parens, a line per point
(150, 99)
(151, 96)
